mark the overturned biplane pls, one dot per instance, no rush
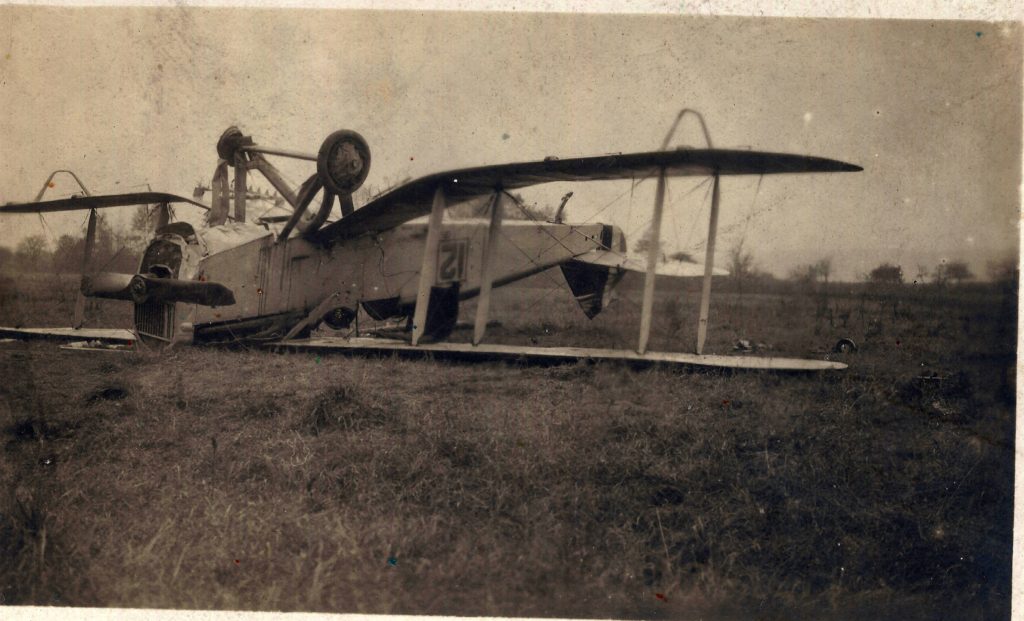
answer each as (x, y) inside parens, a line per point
(276, 279)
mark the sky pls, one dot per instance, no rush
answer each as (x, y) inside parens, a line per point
(127, 97)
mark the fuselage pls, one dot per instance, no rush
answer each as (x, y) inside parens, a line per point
(278, 284)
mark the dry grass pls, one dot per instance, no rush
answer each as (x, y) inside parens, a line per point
(242, 479)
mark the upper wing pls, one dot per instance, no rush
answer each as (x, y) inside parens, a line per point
(413, 199)
(76, 203)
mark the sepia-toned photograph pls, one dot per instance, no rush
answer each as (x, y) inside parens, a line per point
(508, 313)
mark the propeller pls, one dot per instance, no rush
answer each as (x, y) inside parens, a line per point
(142, 288)
(147, 288)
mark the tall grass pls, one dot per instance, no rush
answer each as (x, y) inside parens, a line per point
(249, 480)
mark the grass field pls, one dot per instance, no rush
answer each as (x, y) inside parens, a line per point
(207, 478)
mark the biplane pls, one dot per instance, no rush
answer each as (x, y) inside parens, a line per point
(274, 280)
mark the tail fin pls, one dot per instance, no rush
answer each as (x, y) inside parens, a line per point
(591, 284)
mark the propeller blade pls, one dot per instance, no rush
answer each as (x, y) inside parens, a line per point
(169, 290)
(108, 285)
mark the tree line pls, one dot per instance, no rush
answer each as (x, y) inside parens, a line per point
(120, 251)
(742, 267)
(113, 250)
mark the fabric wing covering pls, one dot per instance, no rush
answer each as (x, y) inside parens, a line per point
(414, 199)
(76, 203)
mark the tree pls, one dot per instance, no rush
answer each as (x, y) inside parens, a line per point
(886, 273)
(823, 269)
(6, 255)
(956, 271)
(802, 273)
(116, 250)
(143, 219)
(67, 256)
(741, 263)
(31, 251)
(515, 208)
(812, 272)
(643, 246)
(682, 257)
(518, 209)
(1004, 270)
(922, 273)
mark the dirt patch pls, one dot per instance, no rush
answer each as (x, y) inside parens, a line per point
(30, 429)
(107, 393)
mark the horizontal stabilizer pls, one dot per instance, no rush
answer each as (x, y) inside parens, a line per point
(76, 203)
(413, 199)
(675, 269)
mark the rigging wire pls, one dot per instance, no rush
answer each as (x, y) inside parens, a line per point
(53, 259)
(649, 220)
(559, 241)
(750, 211)
(696, 216)
(558, 284)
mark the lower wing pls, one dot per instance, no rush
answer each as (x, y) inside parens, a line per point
(109, 336)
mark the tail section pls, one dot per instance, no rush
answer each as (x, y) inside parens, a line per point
(593, 275)
(591, 284)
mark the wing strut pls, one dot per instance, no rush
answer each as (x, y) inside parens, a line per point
(652, 265)
(90, 240)
(428, 270)
(709, 265)
(487, 269)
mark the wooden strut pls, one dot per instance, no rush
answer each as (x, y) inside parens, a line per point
(314, 315)
(483, 307)
(219, 201)
(163, 216)
(90, 240)
(241, 169)
(647, 308)
(306, 195)
(275, 178)
(709, 266)
(428, 269)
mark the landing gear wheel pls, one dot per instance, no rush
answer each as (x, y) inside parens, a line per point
(339, 318)
(845, 346)
(343, 162)
(229, 143)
